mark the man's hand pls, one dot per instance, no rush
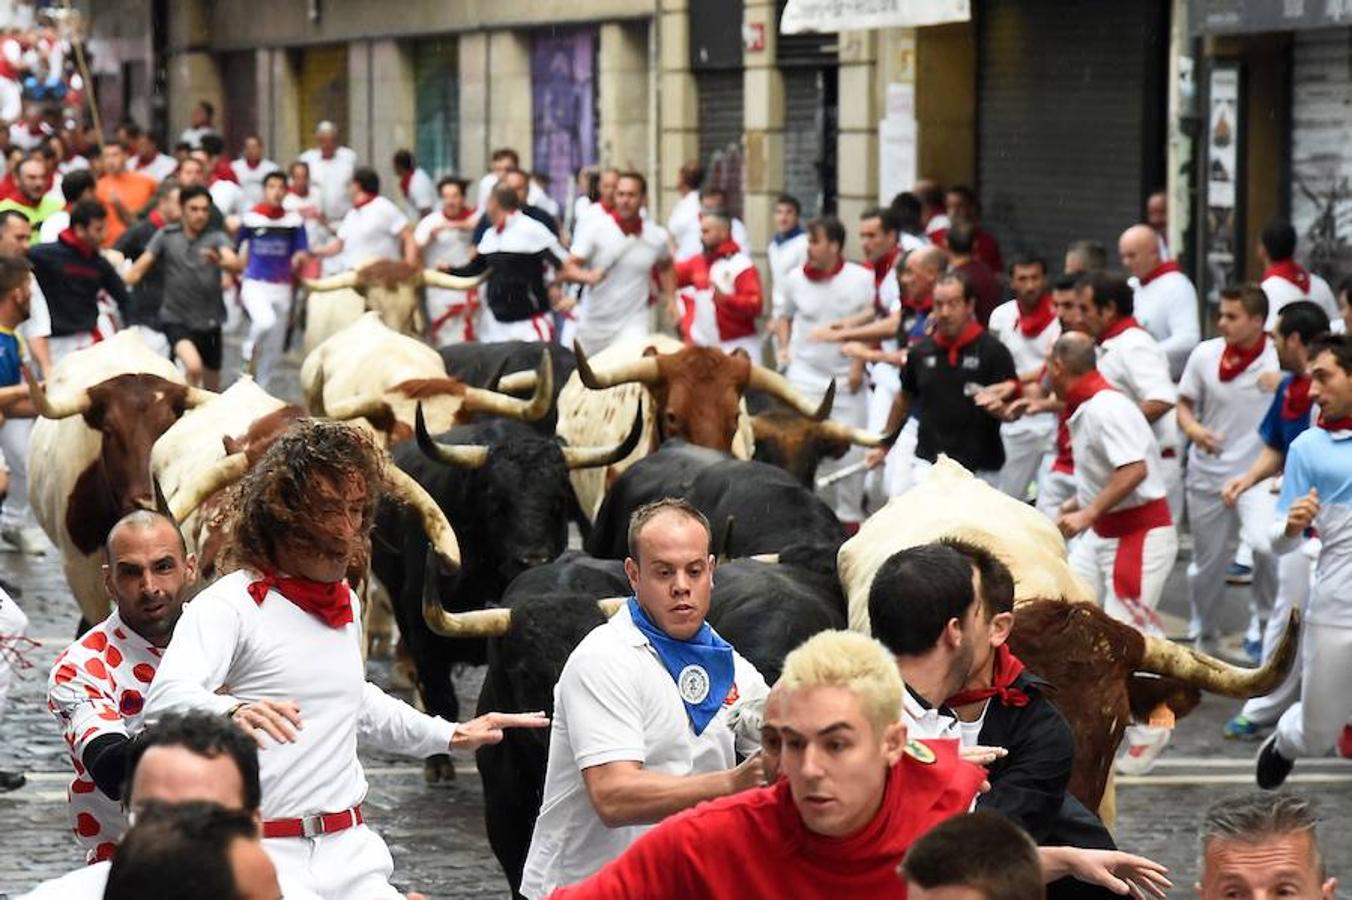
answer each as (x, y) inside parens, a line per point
(278, 719)
(487, 729)
(826, 333)
(982, 756)
(565, 303)
(875, 456)
(1074, 522)
(859, 350)
(1121, 873)
(993, 396)
(1233, 488)
(1302, 513)
(1208, 440)
(856, 380)
(749, 774)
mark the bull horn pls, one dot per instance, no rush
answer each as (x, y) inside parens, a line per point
(611, 605)
(643, 371)
(438, 279)
(48, 409)
(479, 623)
(337, 282)
(763, 379)
(464, 456)
(356, 408)
(836, 431)
(195, 491)
(1164, 657)
(771, 558)
(197, 396)
(437, 527)
(517, 383)
(594, 457)
(532, 410)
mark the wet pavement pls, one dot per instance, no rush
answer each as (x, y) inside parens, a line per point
(436, 833)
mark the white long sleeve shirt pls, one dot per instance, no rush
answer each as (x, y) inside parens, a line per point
(227, 650)
(1166, 306)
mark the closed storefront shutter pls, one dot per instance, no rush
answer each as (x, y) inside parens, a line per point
(1071, 105)
(323, 91)
(436, 73)
(720, 132)
(239, 75)
(810, 138)
(1321, 150)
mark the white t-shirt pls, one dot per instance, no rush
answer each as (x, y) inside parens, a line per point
(1108, 432)
(317, 234)
(684, 219)
(39, 321)
(1233, 409)
(53, 225)
(617, 306)
(1030, 353)
(1167, 308)
(615, 701)
(372, 231)
(448, 247)
(332, 177)
(1135, 364)
(1280, 292)
(784, 258)
(422, 193)
(159, 168)
(811, 304)
(251, 180)
(228, 197)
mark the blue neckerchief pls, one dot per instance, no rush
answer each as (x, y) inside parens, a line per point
(701, 667)
(788, 235)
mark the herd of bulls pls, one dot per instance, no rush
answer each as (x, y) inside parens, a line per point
(495, 448)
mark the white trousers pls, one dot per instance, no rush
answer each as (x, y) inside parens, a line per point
(879, 408)
(350, 863)
(1171, 469)
(1311, 727)
(14, 444)
(596, 334)
(13, 625)
(845, 497)
(448, 317)
(1294, 573)
(1093, 557)
(1053, 489)
(536, 328)
(62, 346)
(1025, 451)
(751, 344)
(155, 340)
(1215, 531)
(268, 304)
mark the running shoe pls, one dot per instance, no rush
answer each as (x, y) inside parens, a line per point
(1272, 768)
(1241, 728)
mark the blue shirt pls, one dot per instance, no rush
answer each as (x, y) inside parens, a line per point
(1278, 431)
(272, 243)
(1322, 459)
(13, 352)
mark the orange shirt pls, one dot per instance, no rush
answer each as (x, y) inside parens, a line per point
(133, 189)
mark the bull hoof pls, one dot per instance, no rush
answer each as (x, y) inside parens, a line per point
(439, 769)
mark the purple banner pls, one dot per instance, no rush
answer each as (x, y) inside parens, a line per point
(563, 93)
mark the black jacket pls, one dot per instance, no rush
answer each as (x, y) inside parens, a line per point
(149, 291)
(71, 281)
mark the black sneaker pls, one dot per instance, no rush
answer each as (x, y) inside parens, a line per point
(12, 781)
(1273, 768)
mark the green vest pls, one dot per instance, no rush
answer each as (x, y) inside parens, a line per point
(35, 215)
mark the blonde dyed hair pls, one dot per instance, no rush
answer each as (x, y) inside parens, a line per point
(852, 661)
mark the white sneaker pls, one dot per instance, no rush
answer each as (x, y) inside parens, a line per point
(28, 541)
(1145, 743)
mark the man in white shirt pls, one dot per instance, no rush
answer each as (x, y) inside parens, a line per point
(148, 159)
(1221, 402)
(1166, 301)
(373, 228)
(246, 648)
(712, 200)
(683, 223)
(414, 184)
(1284, 279)
(606, 182)
(251, 168)
(826, 289)
(302, 198)
(331, 169)
(648, 711)
(202, 115)
(787, 249)
(444, 239)
(503, 160)
(1028, 326)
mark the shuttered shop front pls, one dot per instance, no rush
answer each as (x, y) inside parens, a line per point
(1070, 114)
(1321, 149)
(437, 77)
(720, 131)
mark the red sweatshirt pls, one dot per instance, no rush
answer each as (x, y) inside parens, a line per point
(720, 296)
(754, 844)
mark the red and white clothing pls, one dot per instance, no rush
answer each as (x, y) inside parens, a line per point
(372, 230)
(418, 191)
(157, 167)
(1029, 337)
(1129, 551)
(13, 642)
(227, 196)
(1222, 383)
(317, 233)
(720, 299)
(230, 648)
(98, 687)
(450, 314)
(331, 175)
(1287, 281)
(250, 176)
(616, 308)
(1166, 306)
(28, 136)
(690, 244)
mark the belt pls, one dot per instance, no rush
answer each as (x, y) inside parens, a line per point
(313, 826)
(1122, 522)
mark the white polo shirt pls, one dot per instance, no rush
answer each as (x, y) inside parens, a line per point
(615, 701)
(1108, 432)
(811, 304)
(1233, 409)
(1030, 353)
(1134, 362)
(1280, 292)
(371, 231)
(617, 306)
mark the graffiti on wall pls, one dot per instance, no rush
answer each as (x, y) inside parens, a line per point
(563, 92)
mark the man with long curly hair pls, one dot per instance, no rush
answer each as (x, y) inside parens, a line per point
(276, 646)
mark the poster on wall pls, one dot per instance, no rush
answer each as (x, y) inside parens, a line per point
(563, 96)
(1223, 174)
(897, 142)
(825, 16)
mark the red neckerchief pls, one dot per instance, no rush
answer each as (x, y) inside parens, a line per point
(1236, 359)
(628, 227)
(606, 207)
(883, 267)
(1297, 401)
(1117, 328)
(1006, 667)
(461, 216)
(1034, 323)
(358, 204)
(1081, 389)
(1163, 268)
(20, 198)
(923, 305)
(222, 172)
(78, 244)
(156, 218)
(723, 250)
(1292, 271)
(817, 275)
(253, 165)
(144, 160)
(272, 212)
(970, 332)
(501, 226)
(1343, 424)
(329, 600)
(405, 180)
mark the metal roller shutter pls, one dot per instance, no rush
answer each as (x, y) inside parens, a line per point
(810, 138)
(720, 131)
(1071, 105)
(436, 74)
(1321, 150)
(239, 75)
(323, 90)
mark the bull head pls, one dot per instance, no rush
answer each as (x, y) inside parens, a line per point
(478, 623)
(81, 402)
(474, 456)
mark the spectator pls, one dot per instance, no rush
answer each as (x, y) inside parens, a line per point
(1263, 845)
(250, 171)
(414, 184)
(981, 856)
(124, 194)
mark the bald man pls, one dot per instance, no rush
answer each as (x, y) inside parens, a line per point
(1166, 301)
